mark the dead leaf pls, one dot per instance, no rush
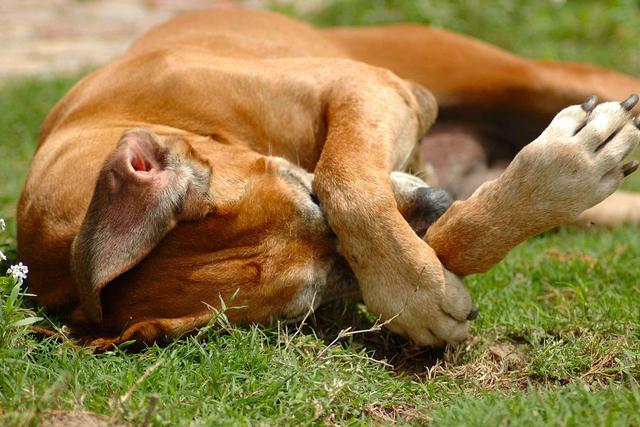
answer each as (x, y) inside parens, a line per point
(570, 256)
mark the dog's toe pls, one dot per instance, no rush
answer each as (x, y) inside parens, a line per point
(630, 167)
(589, 104)
(615, 150)
(569, 121)
(603, 125)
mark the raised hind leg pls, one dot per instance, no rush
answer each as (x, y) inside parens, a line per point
(464, 73)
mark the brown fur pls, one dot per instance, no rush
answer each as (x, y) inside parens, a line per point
(255, 102)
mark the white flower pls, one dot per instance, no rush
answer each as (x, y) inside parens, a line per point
(2, 257)
(3, 225)
(19, 272)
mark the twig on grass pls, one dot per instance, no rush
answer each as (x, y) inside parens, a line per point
(153, 401)
(377, 327)
(370, 359)
(302, 322)
(123, 399)
(347, 332)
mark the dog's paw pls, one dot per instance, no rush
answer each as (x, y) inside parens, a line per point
(437, 315)
(577, 161)
(429, 305)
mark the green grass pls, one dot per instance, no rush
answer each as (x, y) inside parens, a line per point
(557, 342)
(605, 32)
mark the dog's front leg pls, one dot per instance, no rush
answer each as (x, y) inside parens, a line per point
(575, 163)
(372, 128)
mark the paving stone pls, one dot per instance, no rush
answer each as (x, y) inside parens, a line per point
(45, 37)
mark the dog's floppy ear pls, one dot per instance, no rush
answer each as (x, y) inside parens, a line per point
(144, 188)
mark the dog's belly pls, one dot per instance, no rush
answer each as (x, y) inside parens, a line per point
(460, 158)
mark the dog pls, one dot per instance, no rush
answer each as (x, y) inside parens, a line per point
(241, 157)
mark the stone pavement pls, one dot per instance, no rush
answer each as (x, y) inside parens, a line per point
(45, 37)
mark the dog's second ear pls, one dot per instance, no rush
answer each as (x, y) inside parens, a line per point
(144, 188)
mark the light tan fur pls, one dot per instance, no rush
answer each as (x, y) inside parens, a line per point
(134, 234)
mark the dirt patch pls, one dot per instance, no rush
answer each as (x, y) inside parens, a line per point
(78, 419)
(395, 414)
(502, 365)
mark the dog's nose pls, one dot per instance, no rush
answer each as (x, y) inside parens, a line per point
(429, 204)
(434, 199)
(473, 313)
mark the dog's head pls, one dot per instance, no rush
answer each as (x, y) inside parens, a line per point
(173, 223)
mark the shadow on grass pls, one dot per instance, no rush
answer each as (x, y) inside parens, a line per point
(403, 356)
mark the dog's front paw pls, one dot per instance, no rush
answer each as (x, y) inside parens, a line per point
(437, 314)
(429, 305)
(577, 161)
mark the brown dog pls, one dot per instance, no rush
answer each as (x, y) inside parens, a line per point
(179, 176)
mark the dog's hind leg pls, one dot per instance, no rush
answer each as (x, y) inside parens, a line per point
(465, 73)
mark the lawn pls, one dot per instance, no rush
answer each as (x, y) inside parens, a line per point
(557, 341)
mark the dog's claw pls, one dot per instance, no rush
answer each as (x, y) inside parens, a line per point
(630, 102)
(590, 103)
(636, 122)
(629, 168)
(473, 314)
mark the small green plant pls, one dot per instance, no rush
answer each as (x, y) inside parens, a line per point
(14, 317)
(3, 228)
